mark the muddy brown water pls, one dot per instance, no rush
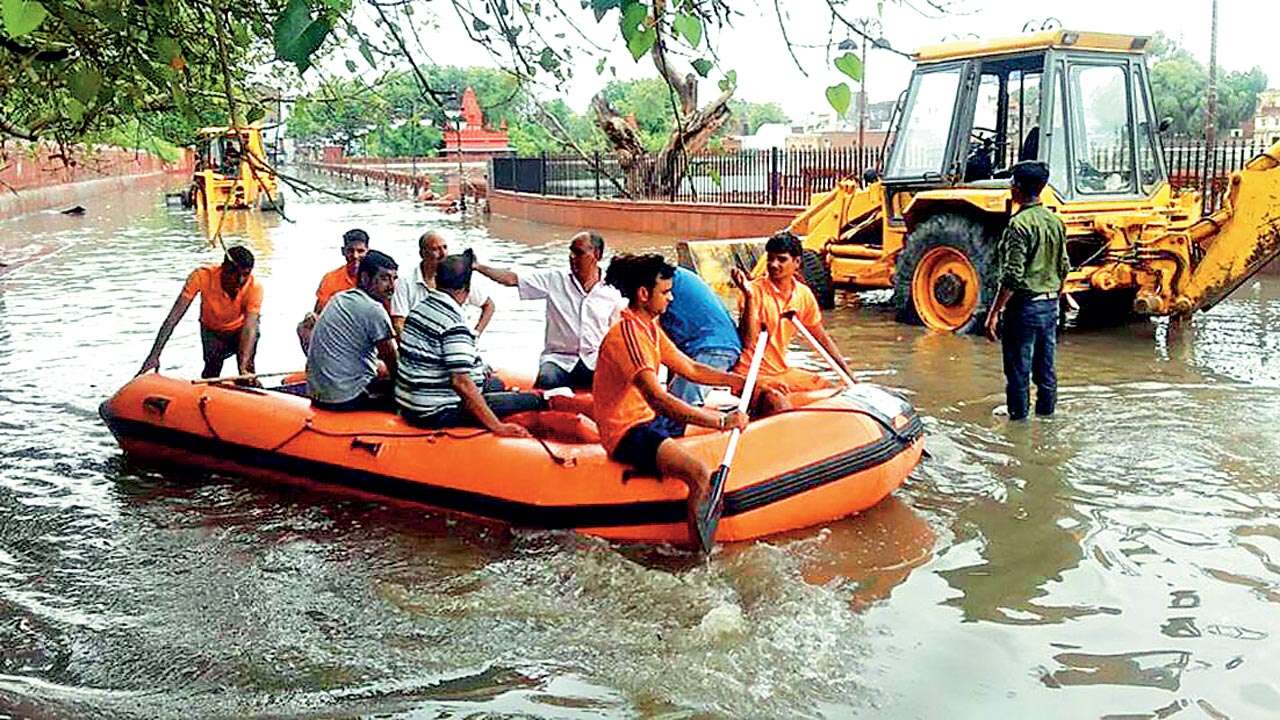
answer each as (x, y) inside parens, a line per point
(1119, 560)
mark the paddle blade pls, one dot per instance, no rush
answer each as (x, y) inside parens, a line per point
(710, 508)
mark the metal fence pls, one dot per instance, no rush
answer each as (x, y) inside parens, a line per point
(789, 177)
(759, 177)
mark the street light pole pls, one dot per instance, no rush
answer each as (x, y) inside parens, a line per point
(867, 25)
(1211, 117)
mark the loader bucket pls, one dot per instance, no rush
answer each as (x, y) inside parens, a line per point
(713, 259)
(1243, 237)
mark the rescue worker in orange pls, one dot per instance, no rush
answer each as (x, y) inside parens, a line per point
(230, 302)
(768, 303)
(637, 416)
(355, 245)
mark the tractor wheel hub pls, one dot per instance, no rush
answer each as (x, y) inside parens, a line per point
(948, 289)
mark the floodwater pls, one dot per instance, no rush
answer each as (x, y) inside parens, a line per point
(1119, 560)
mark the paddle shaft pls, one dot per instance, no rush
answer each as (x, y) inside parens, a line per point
(707, 523)
(237, 378)
(817, 347)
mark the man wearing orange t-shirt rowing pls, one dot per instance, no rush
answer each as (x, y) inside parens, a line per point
(230, 302)
(355, 245)
(769, 303)
(637, 417)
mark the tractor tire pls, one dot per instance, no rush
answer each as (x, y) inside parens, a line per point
(945, 277)
(817, 275)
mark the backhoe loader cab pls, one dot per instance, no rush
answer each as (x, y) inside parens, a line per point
(1078, 101)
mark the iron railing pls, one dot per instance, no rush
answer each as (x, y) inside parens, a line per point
(790, 177)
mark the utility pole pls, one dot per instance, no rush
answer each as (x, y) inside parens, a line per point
(870, 27)
(1211, 117)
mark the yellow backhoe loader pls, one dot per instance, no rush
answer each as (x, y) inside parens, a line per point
(1081, 102)
(232, 172)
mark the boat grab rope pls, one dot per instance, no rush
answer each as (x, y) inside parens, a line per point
(429, 435)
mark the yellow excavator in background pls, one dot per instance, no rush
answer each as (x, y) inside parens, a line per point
(1081, 102)
(232, 172)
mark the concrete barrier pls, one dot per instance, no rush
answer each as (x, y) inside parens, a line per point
(685, 220)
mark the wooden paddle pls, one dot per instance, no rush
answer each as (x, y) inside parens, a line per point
(817, 347)
(709, 510)
(240, 378)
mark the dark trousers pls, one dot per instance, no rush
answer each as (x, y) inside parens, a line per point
(502, 404)
(551, 375)
(216, 347)
(1029, 339)
(377, 396)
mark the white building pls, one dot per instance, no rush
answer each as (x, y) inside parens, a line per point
(1266, 119)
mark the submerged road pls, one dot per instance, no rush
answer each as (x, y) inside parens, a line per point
(1121, 559)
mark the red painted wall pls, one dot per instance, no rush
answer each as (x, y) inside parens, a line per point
(686, 220)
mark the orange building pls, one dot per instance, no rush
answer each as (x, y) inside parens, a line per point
(470, 137)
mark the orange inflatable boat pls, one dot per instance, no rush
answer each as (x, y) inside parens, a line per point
(837, 455)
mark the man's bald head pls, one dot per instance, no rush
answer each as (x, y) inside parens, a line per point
(432, 247)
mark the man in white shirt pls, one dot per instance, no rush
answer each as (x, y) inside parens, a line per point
(411, 289)
(580, 310)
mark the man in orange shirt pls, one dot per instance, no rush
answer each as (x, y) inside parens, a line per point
(637, 417)
(230, 302)
(355, 245)
(768, 302)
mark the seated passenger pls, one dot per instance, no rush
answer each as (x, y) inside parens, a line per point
(440, 379)
(766, 303)
(637, 417)
(355, 243)
(230, 302)
(411, 289)
(354, 331)
(580, 309)
(700, 326)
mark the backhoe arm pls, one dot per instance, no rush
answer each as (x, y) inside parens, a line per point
(1242, 237)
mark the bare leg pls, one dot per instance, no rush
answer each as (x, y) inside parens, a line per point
(770, 402)
(673, 461)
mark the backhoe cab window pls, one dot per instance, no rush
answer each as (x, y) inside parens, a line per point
(1102, 142)
(1005, 119)
(921, 147)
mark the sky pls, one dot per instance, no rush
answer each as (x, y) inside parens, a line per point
(754, 48)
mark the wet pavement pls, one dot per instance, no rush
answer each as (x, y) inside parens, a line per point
(1119, 560)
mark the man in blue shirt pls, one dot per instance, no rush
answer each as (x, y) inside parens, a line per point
(700, 325)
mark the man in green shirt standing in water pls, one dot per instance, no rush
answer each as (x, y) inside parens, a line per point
(1033, 266)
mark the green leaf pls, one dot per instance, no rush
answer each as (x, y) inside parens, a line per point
(22, 16)
(633, 20)
(600, 7)
(255, 114)
(641, 43)
(166, 49)
(702, 66)
(729, 82)
(600, 67)
(367, 53)
(351, 66)
(75, 110)
(690, 27)
(839, 96)
(850, 65)
(714, 173)
(85, 83)
(479, 25)
(298, 36)
(110, 17)
(548, 60)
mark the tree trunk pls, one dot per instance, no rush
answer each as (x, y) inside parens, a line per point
(658, 175)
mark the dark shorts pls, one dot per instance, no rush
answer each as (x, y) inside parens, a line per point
(639, 446)
(217, 346)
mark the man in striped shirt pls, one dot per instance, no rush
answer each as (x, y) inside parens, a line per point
(441, 380)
